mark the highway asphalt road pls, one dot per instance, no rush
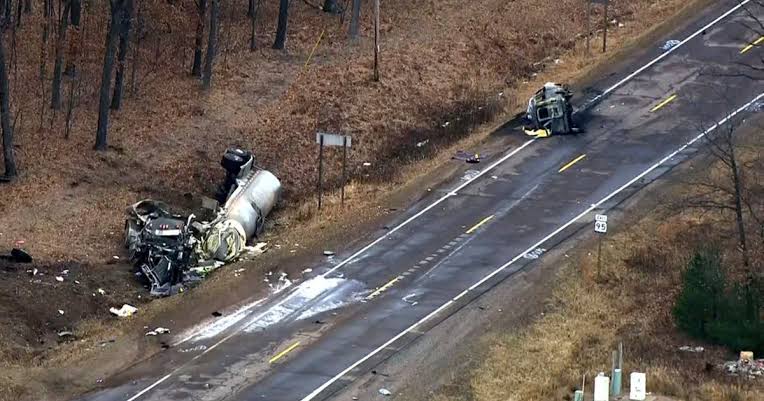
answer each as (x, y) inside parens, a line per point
(310, 340)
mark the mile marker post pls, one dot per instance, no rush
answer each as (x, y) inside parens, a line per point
(600, 227)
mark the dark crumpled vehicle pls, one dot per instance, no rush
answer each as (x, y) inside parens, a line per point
(159, 244)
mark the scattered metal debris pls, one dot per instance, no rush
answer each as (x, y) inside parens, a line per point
(670, 44)
(125, 311)
(171, 250)
(745, 366)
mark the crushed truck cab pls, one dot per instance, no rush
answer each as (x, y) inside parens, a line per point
(550, 112)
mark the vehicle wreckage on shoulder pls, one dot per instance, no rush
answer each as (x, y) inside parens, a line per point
(171, 250)
(550, 112)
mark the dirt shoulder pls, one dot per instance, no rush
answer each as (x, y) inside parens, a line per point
(86, 193)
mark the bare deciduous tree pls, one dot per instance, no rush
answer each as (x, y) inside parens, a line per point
(281, 28)
(355, 18)
(212, 44)
(116, 8)
(201, 14)
(5, 116)
(124, 41)
(63, 21)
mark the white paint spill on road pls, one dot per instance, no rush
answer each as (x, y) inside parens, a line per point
(295, 304)
(214, 327)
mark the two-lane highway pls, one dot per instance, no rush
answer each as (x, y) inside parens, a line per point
(466, 238)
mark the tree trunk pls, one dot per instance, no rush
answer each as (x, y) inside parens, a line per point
(251, 8)
(27, 6)
(355, 18)
(8, 9)
(201, 9)
(212, 44)
(5, 117)
(19, 9)
(136, 51)
(75, 14)
(331, 6)
(124, 41)
(47, 11)
(108, 63)
(281, 28)
(55, 101)
(253, 18)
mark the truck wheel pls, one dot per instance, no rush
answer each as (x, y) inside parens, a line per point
(232, 162)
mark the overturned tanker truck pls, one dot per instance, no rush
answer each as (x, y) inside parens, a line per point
(171, 250)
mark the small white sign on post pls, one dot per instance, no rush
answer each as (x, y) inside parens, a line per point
(334, 139)
(638, 384)
(600, 227)
(601, 388)
(600, 217)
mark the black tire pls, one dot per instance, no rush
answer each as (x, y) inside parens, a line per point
(244, 154)
(232, 162)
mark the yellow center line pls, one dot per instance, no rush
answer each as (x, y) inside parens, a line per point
(751, 46)
(284, 352)
(475, 227)
(567, 166)
(384, 287)
(663, 103)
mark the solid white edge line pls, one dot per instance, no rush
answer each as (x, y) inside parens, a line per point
(147, 389)
(492, 166)
(432, 205)
(536, 245)
(665, 54)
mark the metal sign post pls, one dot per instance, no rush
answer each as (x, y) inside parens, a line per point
(600, 227)
(320, 168)
(324, 139)
(605, 3)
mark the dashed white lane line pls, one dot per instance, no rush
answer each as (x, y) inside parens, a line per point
(501, 268)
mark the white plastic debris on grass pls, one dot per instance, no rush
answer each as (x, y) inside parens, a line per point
(256, 250)
(59, 279)
(687, 348)
(319, 294)
(125, 311)
(385, 392)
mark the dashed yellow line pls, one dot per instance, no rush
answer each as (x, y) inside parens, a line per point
(284, 352)
(663, 103)
(567, 166)
(384, 287)
(476, 226)
(752, 45)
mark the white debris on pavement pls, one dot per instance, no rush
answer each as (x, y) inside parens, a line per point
(125, 311)
(158, 331)
(670, 44)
